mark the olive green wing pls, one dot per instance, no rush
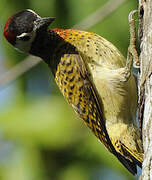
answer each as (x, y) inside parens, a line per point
(72, 79)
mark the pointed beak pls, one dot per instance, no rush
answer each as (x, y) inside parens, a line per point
(43, 22)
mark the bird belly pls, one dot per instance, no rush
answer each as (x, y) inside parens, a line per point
(118, 99)
(119, 103)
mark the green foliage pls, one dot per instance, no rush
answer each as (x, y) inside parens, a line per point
(48, 136)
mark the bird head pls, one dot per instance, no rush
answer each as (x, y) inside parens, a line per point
(21, 28)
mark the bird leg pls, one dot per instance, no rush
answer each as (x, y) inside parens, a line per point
(132, 55)
(132, 46)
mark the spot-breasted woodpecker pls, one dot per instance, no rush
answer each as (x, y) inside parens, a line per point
(89, 71)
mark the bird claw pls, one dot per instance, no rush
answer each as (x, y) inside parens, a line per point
(131, 14)
(125, 74)
(136, 64)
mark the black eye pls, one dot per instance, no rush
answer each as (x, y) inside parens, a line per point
(25, 38)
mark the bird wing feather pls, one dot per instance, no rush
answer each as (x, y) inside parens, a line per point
(72, 77)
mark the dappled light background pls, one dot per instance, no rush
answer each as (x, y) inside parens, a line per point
(41, 138)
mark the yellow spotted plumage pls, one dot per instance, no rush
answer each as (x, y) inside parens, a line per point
(91, 79)
(78, 91)
(91, 74)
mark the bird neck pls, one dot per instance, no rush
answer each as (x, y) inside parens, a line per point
(45, 44)
(50, 45)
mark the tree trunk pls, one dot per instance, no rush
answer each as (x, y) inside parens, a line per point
(145, 84)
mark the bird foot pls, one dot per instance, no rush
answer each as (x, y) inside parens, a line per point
(132, 47)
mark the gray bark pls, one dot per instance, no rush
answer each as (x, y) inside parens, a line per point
(145, 84)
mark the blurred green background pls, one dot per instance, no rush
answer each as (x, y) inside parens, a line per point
(41, 138)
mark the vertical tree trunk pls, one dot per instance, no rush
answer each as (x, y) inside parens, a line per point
(145, 84)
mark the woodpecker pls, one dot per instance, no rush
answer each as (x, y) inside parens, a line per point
(90, 73)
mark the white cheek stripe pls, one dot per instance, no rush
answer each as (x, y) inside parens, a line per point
(24, 46)
(23, 34)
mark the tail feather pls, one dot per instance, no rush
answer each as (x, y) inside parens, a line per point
(136, 157)
(136, 161)
(131, 166)
(128, 157)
